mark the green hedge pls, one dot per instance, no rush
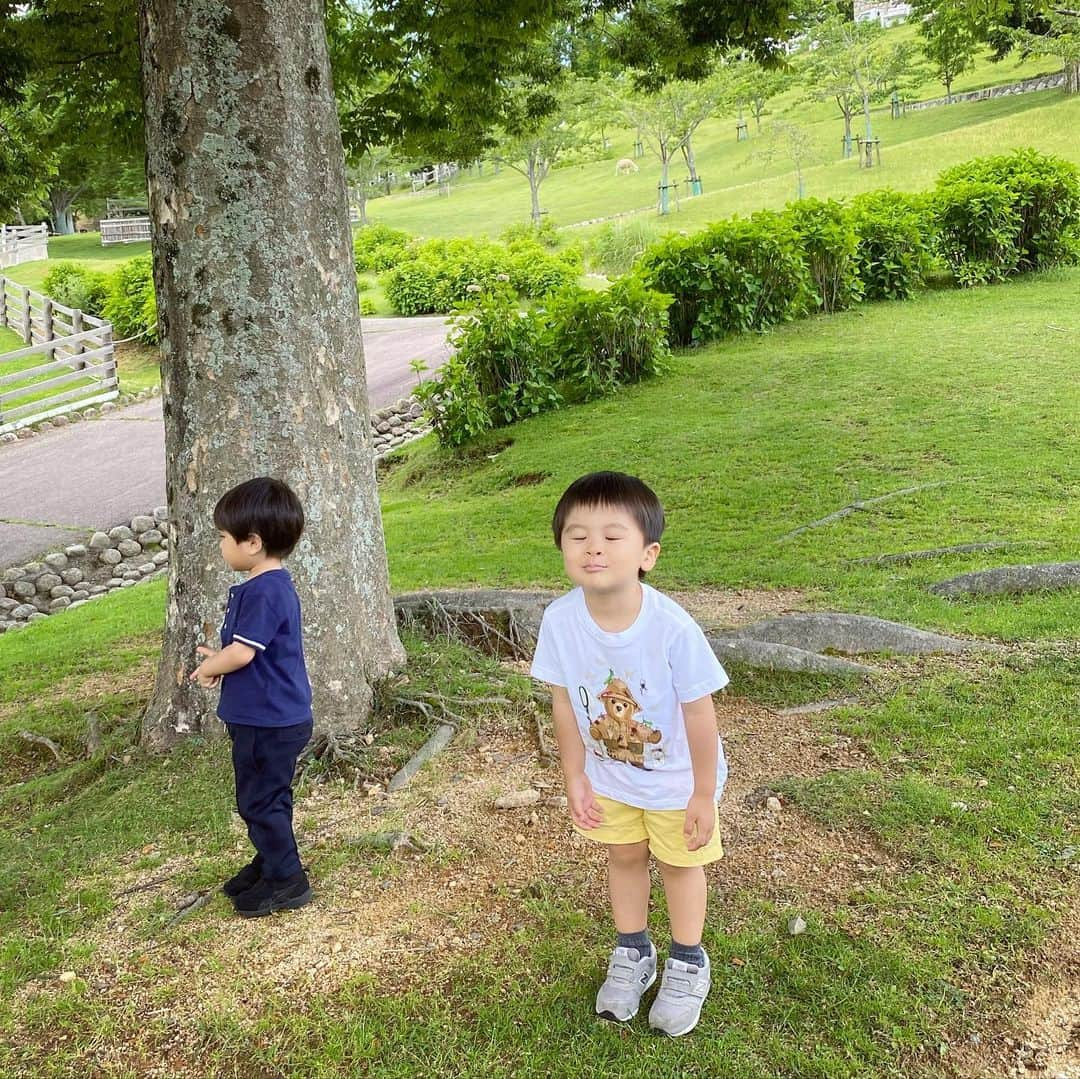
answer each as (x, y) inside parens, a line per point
(378, 247)
(124, 297)
(1007, 214)
(439, 276)
(736, 275)
(895, 236)
(986, 220)
(508, 364)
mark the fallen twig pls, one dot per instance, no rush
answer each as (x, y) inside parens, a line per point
(547, 754)
(861, 504)
(41, 740)
(147, 886)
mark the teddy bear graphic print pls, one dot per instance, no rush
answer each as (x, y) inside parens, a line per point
(621, 732)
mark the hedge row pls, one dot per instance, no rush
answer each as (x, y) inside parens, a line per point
(508, 364)
(986, 220)
(438, 276)
(125, 297)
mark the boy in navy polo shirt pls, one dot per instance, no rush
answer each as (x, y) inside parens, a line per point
(265, 693)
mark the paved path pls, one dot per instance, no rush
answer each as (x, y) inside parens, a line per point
(56, 487)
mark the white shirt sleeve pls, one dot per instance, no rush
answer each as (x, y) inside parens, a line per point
(695, 670)
(546, 666)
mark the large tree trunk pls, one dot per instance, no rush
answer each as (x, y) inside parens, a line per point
(61, 201)
(262, 367)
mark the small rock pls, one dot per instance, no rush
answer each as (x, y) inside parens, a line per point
(66, 976)
(47, 581)
(111, 556)
(129, 548)
(120, 532)
(57, 560)
(99, 541)
(796, 926)
(76, 550)
(142, 523)
(150, 537)
(773, 804)
(518, 799)
(161, 513)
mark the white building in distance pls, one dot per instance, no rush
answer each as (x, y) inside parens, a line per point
(888, 14)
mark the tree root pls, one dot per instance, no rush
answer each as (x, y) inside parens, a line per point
(428, 751)
(41, 740)
(855, 634)
(860, 504)
(940, 552)
(781, 657)
(1012, 580)
(500, 622)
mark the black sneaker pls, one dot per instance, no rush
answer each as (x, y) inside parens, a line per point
(248, 877)
(269, 895)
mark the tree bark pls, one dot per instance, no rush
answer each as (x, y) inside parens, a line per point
(261, 360)
(534, 191)
(60, 203)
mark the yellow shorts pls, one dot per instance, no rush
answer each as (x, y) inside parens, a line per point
(663, 828)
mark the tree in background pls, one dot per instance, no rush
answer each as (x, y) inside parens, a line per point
(366, 169)
(534, 150)
(669, 117)
(949, 43)
(793, 142)
(755, 86)
(857, 64)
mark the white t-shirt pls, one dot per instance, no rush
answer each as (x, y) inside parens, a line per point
(626, 689)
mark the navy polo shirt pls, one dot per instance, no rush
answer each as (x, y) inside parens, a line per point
(273, 689)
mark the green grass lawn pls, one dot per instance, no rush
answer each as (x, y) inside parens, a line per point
(966, 784)
(973, 391)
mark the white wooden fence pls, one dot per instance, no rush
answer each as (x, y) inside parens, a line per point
(78, 363)
(124, 230)
(23, 243)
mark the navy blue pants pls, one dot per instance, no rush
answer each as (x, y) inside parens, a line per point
(264, 759)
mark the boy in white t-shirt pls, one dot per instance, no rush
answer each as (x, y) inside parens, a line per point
(631, 676)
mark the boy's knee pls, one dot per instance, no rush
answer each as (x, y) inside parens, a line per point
(628, 853)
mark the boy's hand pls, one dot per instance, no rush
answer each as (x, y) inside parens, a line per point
(207, 681)
(700, 821)
(585, 810)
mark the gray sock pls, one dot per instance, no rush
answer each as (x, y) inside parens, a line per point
(639, 941)
(688, 953)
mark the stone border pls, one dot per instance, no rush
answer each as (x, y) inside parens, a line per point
(1025, 86)
(391, 426)
(75, 416)
(138, 551)
(123, 557)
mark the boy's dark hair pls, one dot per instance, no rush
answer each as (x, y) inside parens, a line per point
(615, 489)
(265, 507)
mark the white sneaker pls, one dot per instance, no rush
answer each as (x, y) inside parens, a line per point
(683, 990)
(629, 974)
